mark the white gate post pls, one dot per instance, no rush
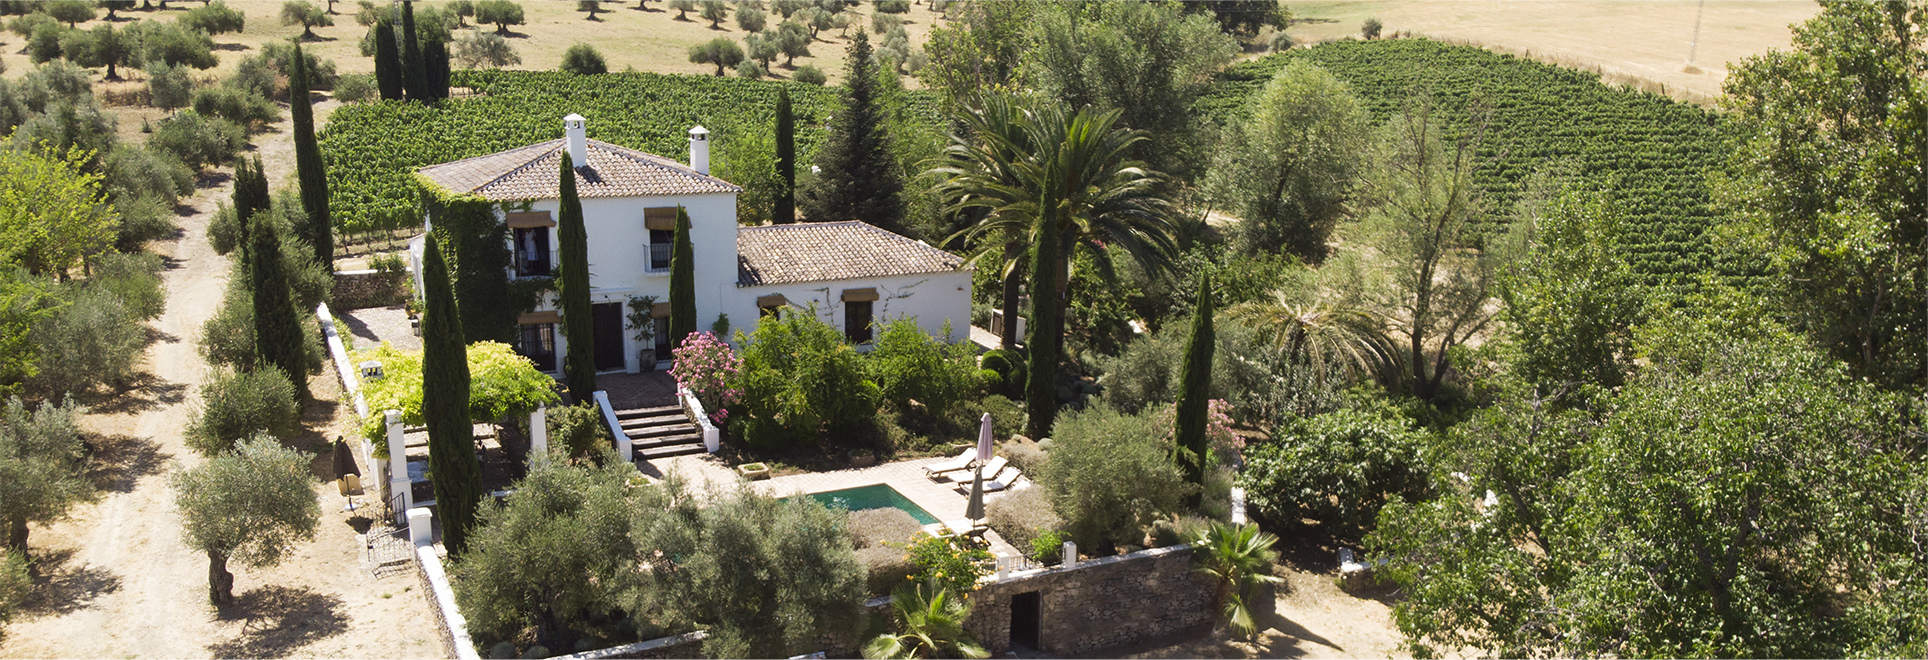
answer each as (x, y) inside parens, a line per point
(1070, 554)
(539, 434)
(398, 481)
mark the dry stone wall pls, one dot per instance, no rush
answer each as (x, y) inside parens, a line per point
(1100, 604)
(358, 289)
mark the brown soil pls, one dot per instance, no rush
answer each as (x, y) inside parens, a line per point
(1312, 616)
(116, 578)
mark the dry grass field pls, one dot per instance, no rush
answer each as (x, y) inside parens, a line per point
(1642, 42)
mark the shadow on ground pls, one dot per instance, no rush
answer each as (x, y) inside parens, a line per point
(276, 620)
(60, 587)
(141, 393)
(119, 461)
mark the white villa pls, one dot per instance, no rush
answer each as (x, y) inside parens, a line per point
(855, 274)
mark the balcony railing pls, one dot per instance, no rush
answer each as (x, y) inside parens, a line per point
(659, 256)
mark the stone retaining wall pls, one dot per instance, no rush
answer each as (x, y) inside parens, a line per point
(358, 289)
(1100, 604)
(448, 617)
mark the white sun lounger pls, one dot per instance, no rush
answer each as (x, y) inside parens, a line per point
(960, 462)
(1004, 481)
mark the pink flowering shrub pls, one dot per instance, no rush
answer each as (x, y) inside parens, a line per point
(707, 367)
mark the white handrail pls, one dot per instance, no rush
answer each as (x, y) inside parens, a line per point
(624, 445)
(712, 438)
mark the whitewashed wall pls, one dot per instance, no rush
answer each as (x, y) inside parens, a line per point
(930, 298)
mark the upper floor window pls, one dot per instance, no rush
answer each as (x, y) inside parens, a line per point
(532, 252)
(661, 223)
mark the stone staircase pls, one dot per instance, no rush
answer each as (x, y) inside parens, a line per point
(660, 432)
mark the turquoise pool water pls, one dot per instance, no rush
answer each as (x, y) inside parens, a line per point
(879, 496)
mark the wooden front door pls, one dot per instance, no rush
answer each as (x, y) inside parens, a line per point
(609, 336)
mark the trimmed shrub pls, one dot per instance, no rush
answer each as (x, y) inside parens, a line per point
(1047, 548)
(876, 528)
(238, 404)
(583, 59)
(885, 569)
(1110, 475)
(578, 429)
(1022, 515)
(1007, 416)
(142, 219)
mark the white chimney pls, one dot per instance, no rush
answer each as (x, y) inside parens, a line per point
(700, 150)
(578, 139)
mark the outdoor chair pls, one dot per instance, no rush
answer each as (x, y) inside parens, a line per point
(1004, 481)
(961, 462)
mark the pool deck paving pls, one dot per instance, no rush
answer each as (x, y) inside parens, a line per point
(942, 499)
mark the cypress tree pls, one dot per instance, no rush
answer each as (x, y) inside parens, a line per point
(250, 199)
(785, 207)
(857, 179)
(1041, 391)
(414, 70)
(452, 465)
(435, 60)
(682, 283)
(277, 328)
(388, 61)
(320, 232)
(1195, 393)
(578, 325)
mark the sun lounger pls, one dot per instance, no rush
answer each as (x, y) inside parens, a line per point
(963, 527)
(1007, 480)
(960, 462)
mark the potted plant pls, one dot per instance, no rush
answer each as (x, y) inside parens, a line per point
(862, 458)
(644, 324)
(753, 471)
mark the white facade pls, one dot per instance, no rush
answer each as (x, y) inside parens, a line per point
(620, 266)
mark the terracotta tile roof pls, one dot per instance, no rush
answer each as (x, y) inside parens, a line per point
(532, 172)
(825, 251)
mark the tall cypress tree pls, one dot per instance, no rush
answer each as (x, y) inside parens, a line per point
(452, 465)
(277, 328)
(1195, 393)
(250, 199)
(682, 283)
(414, 69)
(578, 324)
(320, 232)
(435, 62)
(388, 61)
(1041, 391)
(857, 178)
(785, 208)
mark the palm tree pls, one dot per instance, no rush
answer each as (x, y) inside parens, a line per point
(1015, 150)
(1323, 334)
(933, 623)
(1237, 558)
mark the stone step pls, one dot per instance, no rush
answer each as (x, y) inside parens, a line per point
(667, 451)
(667, 440)
(659, 431)
(665, 420)
(635, 413)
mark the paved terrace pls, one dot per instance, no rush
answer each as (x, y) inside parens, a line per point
(943, 499)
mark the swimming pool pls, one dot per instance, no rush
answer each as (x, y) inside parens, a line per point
(877, 496)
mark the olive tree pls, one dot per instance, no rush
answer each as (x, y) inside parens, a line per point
(1291, 169)
(43, 466)
(251, 504)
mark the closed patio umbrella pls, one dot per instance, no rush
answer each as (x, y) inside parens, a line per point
(984, 439)
(344, 460)
(975, 510)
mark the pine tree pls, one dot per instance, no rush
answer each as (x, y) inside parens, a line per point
(452, 465)
(682, 282)
(1041, 391)
(414, 69)
(277, 327)
(578, 326)
(785, 208)
(388, 61)
(319, 232)
(1194, 396)
(857, 178)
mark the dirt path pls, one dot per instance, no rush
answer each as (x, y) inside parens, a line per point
(119, 582)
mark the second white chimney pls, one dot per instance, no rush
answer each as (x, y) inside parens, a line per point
(700, 150)
(578, 139)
